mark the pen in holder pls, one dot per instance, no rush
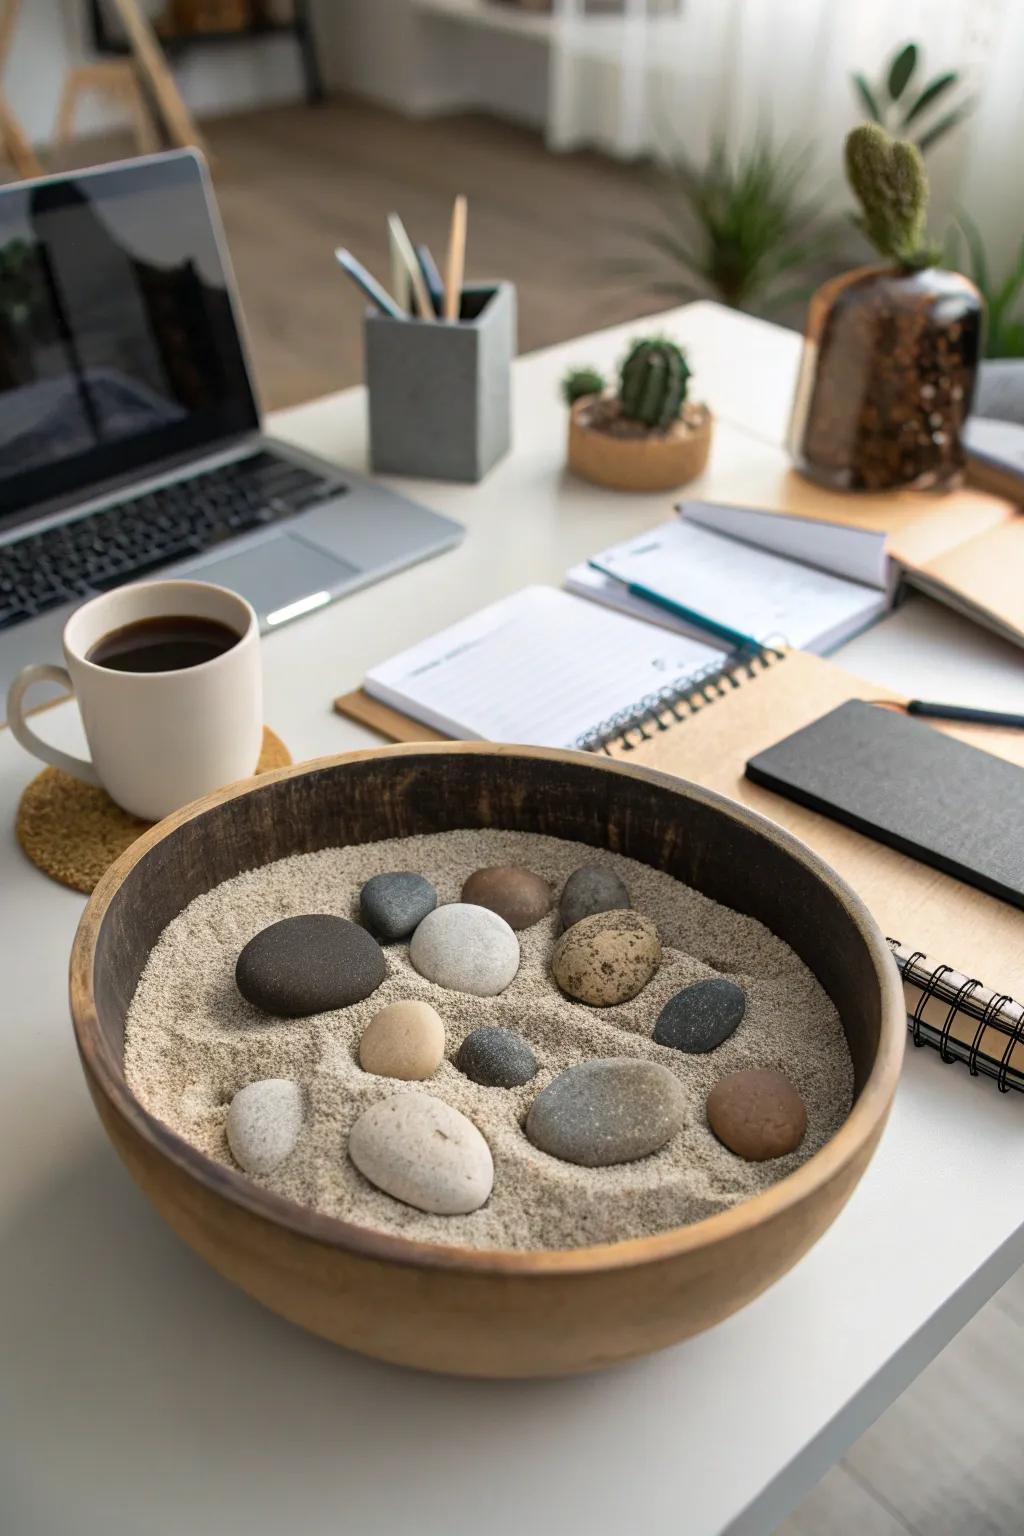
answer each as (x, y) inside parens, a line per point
(440, 393)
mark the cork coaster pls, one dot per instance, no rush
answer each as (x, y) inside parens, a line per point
(74, 832)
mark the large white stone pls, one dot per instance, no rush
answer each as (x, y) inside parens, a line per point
(423, 1152)
(466, 948)
(264, 1121)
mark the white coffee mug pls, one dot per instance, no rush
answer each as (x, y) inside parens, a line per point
(157, 739)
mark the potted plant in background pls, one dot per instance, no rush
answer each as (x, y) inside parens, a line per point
(909, 110)
(891, 352)
(645, 436)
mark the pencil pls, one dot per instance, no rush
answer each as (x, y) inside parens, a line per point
(401, 246)
(456, 264)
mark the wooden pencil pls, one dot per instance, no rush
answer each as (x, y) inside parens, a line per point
(456, 264)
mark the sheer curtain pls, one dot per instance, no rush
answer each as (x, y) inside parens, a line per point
(673, 73)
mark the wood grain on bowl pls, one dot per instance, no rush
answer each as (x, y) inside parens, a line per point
(442, 1307)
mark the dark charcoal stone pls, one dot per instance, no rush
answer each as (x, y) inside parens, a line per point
(305, 965)
(702, 1016)
(497, 1058)
(607, 1111)
(392, 906)
(589, 889)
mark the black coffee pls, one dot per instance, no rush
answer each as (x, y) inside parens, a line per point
(162, 645)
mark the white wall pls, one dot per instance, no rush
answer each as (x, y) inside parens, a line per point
(214, 80)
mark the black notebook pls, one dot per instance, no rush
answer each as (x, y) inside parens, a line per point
(906, 784)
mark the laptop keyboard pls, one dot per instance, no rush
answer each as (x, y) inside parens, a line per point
(135, 538)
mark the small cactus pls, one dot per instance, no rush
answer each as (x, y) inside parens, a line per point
(891, 184)
(653, 382)
(581, 381)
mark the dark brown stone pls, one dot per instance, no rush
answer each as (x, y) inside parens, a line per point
(518, 895)
(757, 1114)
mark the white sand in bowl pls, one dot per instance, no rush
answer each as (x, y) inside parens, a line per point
(192, 1042)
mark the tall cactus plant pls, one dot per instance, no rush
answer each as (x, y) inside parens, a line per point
(653, 383)
(891, 183)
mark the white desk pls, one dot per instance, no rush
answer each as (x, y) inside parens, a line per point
(140, 1393)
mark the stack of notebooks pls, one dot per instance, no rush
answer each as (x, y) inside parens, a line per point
(549, 668)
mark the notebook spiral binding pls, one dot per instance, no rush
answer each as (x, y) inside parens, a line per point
(962, 1019)
(677, 701)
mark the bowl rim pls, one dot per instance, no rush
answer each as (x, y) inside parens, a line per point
(858, 1130)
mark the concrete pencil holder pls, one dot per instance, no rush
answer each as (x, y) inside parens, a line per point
(440, 394)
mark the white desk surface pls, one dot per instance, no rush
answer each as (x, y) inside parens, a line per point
(141, 1393)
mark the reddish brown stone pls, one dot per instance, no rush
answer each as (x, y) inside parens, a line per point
(757, 1114)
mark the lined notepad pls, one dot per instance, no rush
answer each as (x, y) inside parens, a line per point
(542, 668)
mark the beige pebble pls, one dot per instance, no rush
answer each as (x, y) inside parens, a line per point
(405, 1040)
(423, 1152)
(607, 958)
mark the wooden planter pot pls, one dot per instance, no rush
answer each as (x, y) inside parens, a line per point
(653, 461)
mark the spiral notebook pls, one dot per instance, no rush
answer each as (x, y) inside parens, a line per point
(960, 951)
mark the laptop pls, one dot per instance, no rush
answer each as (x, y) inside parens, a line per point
(131, 442)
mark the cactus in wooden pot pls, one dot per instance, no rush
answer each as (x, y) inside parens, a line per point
(646, 436)
(891, 351)
(653, 383)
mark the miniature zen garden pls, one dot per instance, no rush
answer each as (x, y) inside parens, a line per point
(493, 1039)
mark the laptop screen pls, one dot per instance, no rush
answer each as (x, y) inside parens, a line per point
(118, 340)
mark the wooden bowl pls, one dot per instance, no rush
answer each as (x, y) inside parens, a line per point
(445, 1308)
(659, 461)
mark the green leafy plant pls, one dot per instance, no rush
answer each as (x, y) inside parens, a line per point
(653, 382)
(739, 228)
(579, 382)
(1004, 311)
(906, 108)
(891, 184)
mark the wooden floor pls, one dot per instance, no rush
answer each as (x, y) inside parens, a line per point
(293, 183)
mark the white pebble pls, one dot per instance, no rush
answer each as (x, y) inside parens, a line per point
(424, 1153)
(466, 948)
(264, 1122)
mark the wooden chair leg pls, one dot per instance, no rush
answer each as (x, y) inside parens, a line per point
(65, 125)
(16, 146)
(146, 136)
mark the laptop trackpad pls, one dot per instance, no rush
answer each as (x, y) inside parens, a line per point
(277, 574)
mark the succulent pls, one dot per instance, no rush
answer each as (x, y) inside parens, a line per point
(652, 383)
(891, 184)
(581, 381)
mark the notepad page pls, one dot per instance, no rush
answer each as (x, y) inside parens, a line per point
(763, 596)
(541, 668)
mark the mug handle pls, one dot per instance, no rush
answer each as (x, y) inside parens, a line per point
(78, 767)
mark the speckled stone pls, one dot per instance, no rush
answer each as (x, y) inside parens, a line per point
(393, 905)
(466, 948)
(757, 1114)
(423, 1152)
(606, 958)
(518, 895)
(263, 1124)
(496, 1058)
(404, 1040)
(311, 964)
(607, 1111)
(589, 889)
(701, 1017)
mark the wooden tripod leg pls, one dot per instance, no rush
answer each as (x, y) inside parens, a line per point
(154, 68)
(65, 125)
(146, 135)
(17, 147)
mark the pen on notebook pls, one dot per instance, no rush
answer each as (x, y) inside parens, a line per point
(732, 637)
(374, 291)
(455, 265)
(432, 278)
(403, 253)
(965, 713)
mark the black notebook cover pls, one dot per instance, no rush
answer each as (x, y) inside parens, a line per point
(908, 785)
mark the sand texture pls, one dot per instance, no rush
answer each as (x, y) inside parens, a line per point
(192, 1042)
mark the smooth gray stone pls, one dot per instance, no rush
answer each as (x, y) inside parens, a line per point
(589, 889)
(312, 964)
(496, 1058)
(263, 1124)
(607, 1111)
(465, 948)
(392, 906)
(701, 1017)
